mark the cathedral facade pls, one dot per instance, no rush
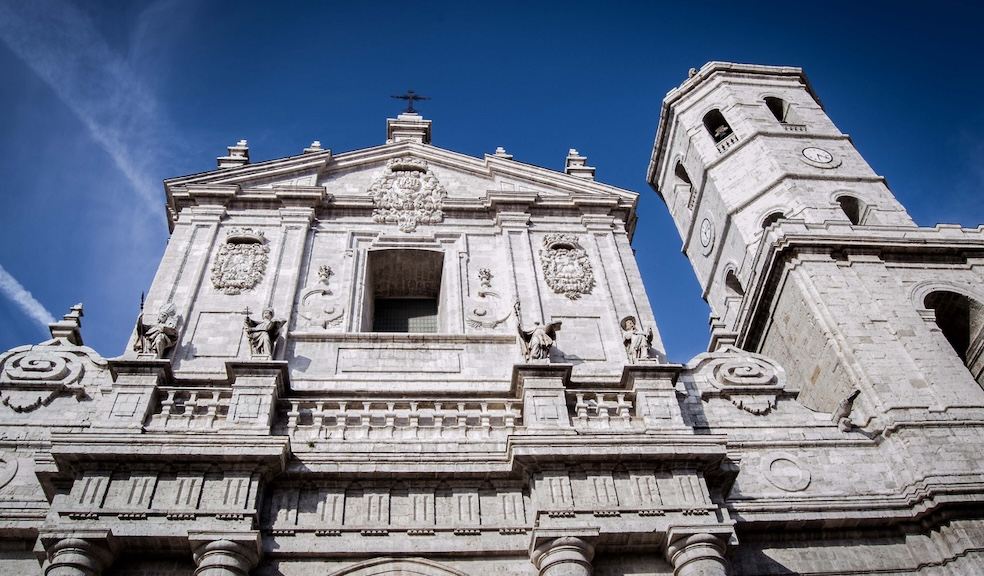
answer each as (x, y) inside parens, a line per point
(404, 360)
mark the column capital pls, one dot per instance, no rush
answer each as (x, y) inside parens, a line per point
(225, 553)
(694, 553)
(569, 550)
(77, 553)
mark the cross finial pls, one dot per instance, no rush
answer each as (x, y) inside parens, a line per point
(410, 97)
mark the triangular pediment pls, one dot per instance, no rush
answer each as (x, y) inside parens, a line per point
(351, 173)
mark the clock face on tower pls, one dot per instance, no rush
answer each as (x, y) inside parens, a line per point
(818, 155)
(706, 235)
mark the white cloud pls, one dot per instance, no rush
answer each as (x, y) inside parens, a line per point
(62, 45)
(12, 289)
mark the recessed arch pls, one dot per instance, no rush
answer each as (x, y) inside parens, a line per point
(960, 319)
(717, 126)
(853, 208)
(732, 285)
(779, 108)
(772, 217)
(682, 183)
(398, 567)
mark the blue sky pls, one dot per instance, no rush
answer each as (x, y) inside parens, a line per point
(103, 100)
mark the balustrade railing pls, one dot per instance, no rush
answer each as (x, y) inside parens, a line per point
(360, 419)
(602, 410)
(190, 409)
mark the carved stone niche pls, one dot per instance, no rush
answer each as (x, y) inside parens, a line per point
(241, 261)
(566, 266)
(751, 381)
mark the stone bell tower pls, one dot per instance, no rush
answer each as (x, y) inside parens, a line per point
(805, 255)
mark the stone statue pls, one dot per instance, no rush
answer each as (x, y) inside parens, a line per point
(842, 414)
(537, 341)
(636, 341)
(159, 337)
(262, 334)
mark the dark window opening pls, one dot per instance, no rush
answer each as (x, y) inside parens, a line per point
(961, 320)
(716, 125)
(852, 207)
(403, 291)
(405, 315)
(779, 108)
(772, 219)
(732, 285)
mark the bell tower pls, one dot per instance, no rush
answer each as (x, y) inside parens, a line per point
(805, 255)
(741, 146)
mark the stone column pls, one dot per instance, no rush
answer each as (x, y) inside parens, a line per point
(77, 557)
(224, 558)
(698, 554)
(564, 556)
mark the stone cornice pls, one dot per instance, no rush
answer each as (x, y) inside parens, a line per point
(236, 187)
(783, 241)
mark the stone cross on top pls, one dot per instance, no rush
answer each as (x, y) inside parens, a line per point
(410, 97)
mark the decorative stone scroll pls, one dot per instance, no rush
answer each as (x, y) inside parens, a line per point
(407, 194)
(241, 261)
(566, 267)
(751, 381)
(481, 312)
(318, 305)
(33, 376)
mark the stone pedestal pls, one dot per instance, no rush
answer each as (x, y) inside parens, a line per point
(224, 558)
(697, 555)
(564, 556)
(80, 556)
(544, 402)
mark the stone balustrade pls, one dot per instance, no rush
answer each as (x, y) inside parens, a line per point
(606, 411)
(190, 409)
(351, 419)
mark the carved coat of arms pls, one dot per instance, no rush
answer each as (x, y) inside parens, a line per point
(407, 195)
(241, 261)
(566, 266)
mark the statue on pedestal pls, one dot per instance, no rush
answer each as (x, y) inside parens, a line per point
(538, 340)
(262, 334)
(636, 340)
(159, 337)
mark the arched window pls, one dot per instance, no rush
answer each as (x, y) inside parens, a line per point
(716, 125)
(683, 185)
(779, 109)
(732, 285)
(961, 320)
(771, 219)
(852, 207)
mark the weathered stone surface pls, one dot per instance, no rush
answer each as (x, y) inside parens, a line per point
(465, 380)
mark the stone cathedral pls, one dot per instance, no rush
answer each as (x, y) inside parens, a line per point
(402, 360)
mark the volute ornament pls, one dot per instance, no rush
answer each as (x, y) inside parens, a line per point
(566, 266)
(241, 261)
(752, 382)
(407, 195)
(33, 376)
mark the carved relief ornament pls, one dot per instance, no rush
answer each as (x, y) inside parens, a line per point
(241, 261)
(33, 376)
(566, 266)
(751, 381)
(407, 194)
